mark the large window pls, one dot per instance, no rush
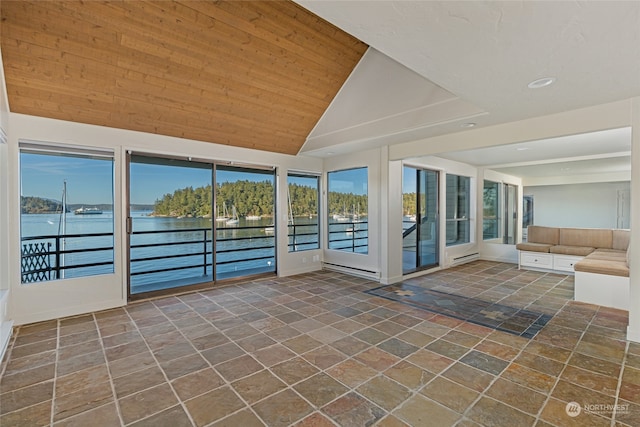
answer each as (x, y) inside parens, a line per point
(348, 210)
(458, 209)
(66, 212)
(302, 197)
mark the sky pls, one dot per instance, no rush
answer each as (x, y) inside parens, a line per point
(90, 181)
(349, 181)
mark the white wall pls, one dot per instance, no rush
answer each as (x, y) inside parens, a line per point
(35, 302)
(593, 205)
(5, 321)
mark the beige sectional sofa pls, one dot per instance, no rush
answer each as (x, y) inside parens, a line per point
(598, 257)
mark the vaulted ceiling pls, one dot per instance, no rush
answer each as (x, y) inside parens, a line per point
(252, 74)
(279, 76)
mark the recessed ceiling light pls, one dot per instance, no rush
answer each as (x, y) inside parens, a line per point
(522, 148)
(467, 125)
(329, 153)
(545, 81)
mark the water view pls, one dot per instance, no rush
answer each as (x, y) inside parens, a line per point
(163, 249)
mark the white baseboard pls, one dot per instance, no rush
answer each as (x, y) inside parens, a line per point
(6, 330)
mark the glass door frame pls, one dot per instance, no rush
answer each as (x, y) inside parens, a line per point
(129, 230)
(207, 284)
(419, 191)
(510, 213)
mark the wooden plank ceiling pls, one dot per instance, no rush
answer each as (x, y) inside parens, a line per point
(254, 74)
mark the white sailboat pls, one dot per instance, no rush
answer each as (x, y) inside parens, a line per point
(234, 217)
(225, 215)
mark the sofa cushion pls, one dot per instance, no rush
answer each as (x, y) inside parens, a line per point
(586, 237)
(571, 250)
(621, 239)
(608, 254)
(599, 266)
(533, 247)
(540, 234)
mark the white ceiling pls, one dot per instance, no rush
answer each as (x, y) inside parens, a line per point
(601, 156)
(440, 64)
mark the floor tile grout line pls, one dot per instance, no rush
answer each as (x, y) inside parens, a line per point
(181, 403)
(238, 294)
(564, 367)
(229, 384)
(619, 385)
(106, 361)
(55, 373)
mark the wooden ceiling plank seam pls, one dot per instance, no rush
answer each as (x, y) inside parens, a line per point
(261, 87)
(172, 115)
(64, 45)
(229, 14)
(262, 77)
(243, 106)
(299, 94)
(307, 91)
(307, 75)
(255, 74)
(14, 60)
(287, 21)
(46, 18)
(76, 74)
(59, 89)
(190, 41)
(218, 136)
(321, 26)
(262, 125)
(62, 111)
(272, 103)
(208, 105)
(30, 99)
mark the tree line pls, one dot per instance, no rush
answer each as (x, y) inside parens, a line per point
(247, 197)
(253, 198)
(37, 205)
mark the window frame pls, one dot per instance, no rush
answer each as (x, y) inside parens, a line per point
(458, 216)
(291, 245)
(53, 261)
(350, 227)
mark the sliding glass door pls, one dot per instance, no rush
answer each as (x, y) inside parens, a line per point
(245, 221)
(192, 223)
(420, 219)
(169, 225)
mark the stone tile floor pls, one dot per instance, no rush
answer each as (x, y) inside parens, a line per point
(316, 350)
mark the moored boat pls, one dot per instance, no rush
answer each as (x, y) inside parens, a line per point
(87, 211)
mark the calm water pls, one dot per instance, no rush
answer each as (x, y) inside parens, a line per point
(235, 245)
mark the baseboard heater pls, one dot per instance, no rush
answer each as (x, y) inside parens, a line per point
(462, 259)
(360, 272)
